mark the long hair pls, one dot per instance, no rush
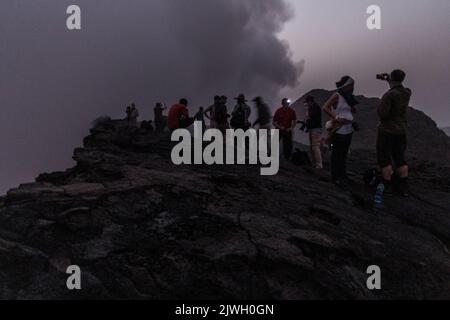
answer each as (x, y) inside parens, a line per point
(346, 87)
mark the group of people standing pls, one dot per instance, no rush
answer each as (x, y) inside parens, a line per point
(284, 119)
(340, 107)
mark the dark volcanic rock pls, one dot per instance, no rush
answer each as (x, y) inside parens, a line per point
(447, 131)
(141, 228)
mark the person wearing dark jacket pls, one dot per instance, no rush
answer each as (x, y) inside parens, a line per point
(241, 113)
(221, 115)
(314, 126)
(264, 116)
(160, 120)
(392, 140)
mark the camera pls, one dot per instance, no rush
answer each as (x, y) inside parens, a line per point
(383, 76)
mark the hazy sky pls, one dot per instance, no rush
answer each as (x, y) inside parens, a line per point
(53, 82)
(333, 39)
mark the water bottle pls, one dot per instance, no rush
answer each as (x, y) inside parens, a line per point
(379, 195)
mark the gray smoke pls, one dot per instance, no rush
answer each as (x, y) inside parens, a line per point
(53, 82)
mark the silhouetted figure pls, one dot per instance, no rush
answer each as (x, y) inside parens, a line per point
(200, 116)
(147, 125)
(221, 115)
(128, 113)
(314, 126)
(179, 116)
(132, 115)
(240, 114)
(210, 112)
(341, 108)
(264, 116)
(392, 141)
(160, 120)
(285, 119)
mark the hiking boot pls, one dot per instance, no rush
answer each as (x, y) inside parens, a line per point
(343, 184)
(404, 188)
(388, 189)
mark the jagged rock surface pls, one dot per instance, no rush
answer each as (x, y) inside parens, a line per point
(141, 228)
(447, 131)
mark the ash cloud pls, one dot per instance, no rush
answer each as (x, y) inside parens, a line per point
(54, 81)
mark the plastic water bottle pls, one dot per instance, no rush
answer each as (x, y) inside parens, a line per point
(379, 195)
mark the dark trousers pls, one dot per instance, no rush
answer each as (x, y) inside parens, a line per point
(159, 124)
(340, 147)
(286, 138)
(391, 147)
(186, 122)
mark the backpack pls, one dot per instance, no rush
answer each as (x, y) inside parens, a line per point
(300, 158)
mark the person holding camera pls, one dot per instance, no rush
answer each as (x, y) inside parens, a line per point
(313, 125)
(392, 141)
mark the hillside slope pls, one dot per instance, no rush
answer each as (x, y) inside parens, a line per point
(141, 228)
(447, 131)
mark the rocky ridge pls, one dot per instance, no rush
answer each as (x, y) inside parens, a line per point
(141, 228)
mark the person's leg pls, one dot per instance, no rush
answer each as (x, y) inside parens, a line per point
(315, 140)
(398, 153)
(288, 145)
(282, 141)
(337, 156)
(384, 151)
(285, 143)
(346, 143)
(185, 123)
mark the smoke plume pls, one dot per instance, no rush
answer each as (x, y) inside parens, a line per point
(55, 81)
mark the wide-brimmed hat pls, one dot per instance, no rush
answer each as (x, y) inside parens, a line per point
(241, 97)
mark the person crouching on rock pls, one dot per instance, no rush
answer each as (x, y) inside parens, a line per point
(392, 142)
(285, 120)
(178, 117)
(341, 108)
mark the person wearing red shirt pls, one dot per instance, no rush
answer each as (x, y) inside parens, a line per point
(285, 120)
(178, 116)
